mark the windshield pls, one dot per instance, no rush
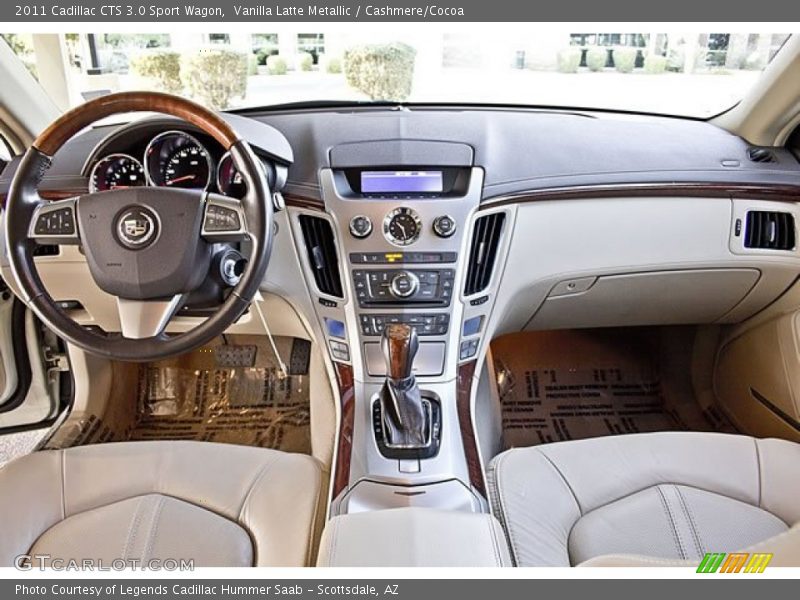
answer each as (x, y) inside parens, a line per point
(687, 74)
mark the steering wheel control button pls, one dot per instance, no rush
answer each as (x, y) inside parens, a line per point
(360, 226)
(444, 226)
(136, 227)
(58, 222)
(221, 219)
(404, 285)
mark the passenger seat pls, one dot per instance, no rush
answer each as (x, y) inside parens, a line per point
(648, 499)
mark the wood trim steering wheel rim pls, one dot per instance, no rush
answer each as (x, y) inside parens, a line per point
(71, 122)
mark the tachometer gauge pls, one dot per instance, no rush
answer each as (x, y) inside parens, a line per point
(229, 181)
(116, 171)
(176, 159)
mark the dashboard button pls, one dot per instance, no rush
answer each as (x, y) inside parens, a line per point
(360, 226)
(444, 226)
(404, 285)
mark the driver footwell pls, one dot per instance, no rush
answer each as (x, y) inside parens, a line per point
(230, 391)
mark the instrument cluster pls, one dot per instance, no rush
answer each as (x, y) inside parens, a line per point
(171, 159)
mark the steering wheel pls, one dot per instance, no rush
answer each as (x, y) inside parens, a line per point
(147, 246)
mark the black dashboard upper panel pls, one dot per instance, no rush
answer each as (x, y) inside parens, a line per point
(520, 150)
(530, 149)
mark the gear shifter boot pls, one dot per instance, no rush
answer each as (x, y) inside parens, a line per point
(405, 418)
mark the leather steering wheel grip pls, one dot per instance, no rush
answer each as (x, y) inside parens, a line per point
(23, 200)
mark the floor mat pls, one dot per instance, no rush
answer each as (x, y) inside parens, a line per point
(564, 385)
(230, 392)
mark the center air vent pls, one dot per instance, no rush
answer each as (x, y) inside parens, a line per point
(321, 250)
(769, 230)
(483, 251)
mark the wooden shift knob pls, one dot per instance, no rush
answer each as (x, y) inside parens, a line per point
(400, 346)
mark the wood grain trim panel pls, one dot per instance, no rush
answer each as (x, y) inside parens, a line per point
(786, 193)
(73, 121)
(344, 448)
(789, 193)
(303, 202)
(464, 383)
(61, 194)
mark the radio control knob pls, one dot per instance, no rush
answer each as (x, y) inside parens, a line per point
(444, 226)
(404, 285)
(360, 226)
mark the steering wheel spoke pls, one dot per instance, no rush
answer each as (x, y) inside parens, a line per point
(223, 219)
(141, 319)
(55, 222)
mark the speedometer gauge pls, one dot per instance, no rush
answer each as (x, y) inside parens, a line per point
(176, 159)
(116, 171)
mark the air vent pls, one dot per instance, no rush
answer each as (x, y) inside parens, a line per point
(761, 155)
(485, 240)
(47, 250)
(769, 230)
(321, 249)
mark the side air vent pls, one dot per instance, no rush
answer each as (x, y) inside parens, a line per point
(321, 249)
(769, 230)
(761, 155)
(485, 240)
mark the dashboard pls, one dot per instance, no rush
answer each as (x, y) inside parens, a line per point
(470, 221)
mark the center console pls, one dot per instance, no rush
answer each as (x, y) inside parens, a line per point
(401, 240)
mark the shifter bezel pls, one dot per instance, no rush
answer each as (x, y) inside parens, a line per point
(391, 451)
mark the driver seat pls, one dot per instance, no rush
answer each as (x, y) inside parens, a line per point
(219, 505)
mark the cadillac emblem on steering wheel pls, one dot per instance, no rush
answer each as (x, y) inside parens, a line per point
(136, 227)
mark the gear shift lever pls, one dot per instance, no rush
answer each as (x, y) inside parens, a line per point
(400, 345)
(406, 420)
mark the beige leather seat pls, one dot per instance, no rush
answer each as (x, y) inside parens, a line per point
(218, 504)
(660, 497)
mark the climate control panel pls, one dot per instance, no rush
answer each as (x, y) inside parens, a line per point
(432, 287)
(425, 323)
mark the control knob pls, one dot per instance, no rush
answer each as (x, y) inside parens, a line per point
(444, 226)
(360, 226)
(404, 285)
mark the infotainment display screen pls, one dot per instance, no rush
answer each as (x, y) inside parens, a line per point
(401, 182)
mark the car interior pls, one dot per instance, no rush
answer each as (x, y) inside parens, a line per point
(400, 334)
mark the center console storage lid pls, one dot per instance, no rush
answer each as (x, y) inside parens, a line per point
(413, 537)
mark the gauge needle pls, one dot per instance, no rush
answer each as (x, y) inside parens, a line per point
(179, 179)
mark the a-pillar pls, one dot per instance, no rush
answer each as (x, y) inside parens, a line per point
(52, 67)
